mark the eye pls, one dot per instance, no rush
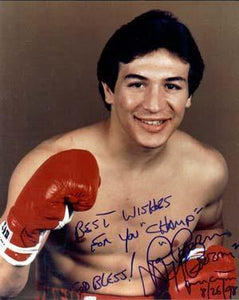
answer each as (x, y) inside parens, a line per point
(172, 86)
(137, 85)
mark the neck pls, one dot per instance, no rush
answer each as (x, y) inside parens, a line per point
(130, 154)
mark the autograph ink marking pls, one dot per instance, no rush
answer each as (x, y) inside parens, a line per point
(235, 246)
(165, 225)
(161, 271)
(142, 224)
(198, 210)
(82, 229)
(209, 292)
(97, 242)
(80, 287)
(132, 265)
(106, 213)
(128, 237)
(165, 266)
(100, 281)
(148, 208)
(103, 280)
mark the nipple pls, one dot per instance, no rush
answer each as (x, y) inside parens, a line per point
(175, 243)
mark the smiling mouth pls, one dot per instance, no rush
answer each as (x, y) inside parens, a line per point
(152, 125)
(152, 122)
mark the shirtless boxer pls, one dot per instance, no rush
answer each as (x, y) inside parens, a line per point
(159, 186)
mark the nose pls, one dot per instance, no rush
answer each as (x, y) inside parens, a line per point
(155, 99)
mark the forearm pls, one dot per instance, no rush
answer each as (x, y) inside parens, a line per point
(12, 279)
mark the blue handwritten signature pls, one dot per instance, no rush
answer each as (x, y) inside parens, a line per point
(209, 290)
(160, 271)
(163, 268)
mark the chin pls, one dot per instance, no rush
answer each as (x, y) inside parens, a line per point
(155, 141)
(151, 145)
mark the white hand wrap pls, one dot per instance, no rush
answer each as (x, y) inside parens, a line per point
(5, 242)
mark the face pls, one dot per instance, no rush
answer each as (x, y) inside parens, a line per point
(150, 97)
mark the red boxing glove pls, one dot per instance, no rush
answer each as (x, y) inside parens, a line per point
(65, 182)
(209, 275)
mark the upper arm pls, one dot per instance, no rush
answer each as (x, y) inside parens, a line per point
(211, 221)
(23, 172)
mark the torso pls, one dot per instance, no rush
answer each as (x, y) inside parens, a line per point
(137, 218)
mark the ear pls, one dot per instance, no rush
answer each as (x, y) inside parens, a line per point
(189, 102)
(109, 96)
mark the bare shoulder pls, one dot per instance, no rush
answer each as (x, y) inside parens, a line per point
(205, 163)
(88, 138)
(208, 172)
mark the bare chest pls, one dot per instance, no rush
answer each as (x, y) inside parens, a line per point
(130, 229)
(148, 221)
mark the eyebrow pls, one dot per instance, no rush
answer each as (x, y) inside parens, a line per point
(170, 79)
(135, 76)
(177, 78)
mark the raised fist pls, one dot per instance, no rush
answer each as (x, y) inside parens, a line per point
(67, 181)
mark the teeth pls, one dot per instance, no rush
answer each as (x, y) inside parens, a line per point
(154, 123)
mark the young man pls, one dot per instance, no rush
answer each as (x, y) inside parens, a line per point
(160, 190)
